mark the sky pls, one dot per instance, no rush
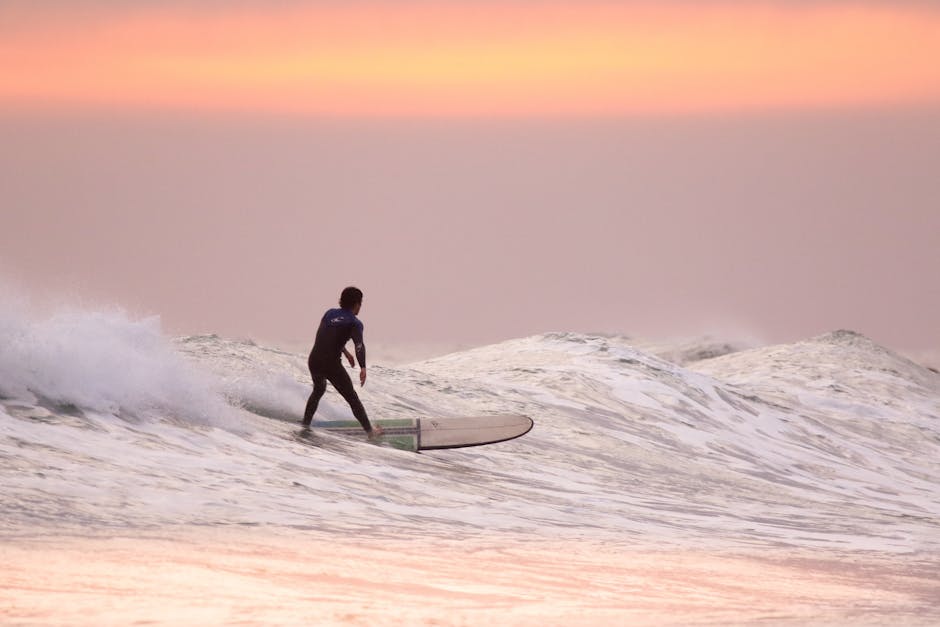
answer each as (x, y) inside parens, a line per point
(482, 170)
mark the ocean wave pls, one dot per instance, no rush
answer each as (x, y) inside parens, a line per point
(833, 441)
(104, 362)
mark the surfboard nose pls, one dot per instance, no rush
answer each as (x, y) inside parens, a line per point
(442, 433)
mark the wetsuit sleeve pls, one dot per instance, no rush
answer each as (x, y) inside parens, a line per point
(359, 344)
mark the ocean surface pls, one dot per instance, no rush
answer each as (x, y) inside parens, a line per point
(693, 481)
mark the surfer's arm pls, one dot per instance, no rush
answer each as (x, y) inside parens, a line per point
(358, 343)
(356, 337)
(349, 357)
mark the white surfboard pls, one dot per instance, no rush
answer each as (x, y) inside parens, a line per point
(425, 434)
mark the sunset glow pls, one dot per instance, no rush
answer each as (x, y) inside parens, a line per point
(454, 60)
(265, 579)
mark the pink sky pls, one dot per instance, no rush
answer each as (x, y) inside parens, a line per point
(680, 174)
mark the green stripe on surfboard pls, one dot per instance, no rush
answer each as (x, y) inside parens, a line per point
(401, 433)
(349, 424)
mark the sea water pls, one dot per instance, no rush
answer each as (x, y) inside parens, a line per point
(148, 478)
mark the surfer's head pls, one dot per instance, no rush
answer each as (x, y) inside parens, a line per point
(351, 299)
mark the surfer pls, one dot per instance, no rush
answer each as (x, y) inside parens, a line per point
(337, 327)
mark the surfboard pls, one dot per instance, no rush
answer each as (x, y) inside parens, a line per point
(428, 434)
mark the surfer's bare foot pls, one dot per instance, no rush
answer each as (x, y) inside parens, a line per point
(376, 432)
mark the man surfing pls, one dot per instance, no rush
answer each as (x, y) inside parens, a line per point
(337, 327)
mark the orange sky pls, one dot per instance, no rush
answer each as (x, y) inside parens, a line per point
(372, 59)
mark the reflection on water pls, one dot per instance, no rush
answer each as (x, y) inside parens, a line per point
(262, 577)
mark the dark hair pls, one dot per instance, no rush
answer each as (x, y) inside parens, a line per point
(350, 297)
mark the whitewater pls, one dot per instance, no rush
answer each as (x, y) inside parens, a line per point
(150, 478)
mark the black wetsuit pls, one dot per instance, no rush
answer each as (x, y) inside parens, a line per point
(337, 327)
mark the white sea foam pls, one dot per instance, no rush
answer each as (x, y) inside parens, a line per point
(101, 361)
(831, 443)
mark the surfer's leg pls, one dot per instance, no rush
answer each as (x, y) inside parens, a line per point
(341, 381)
(319, 387)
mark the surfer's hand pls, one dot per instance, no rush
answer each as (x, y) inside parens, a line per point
(362, 377)
(352, 362)
(376, 432)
